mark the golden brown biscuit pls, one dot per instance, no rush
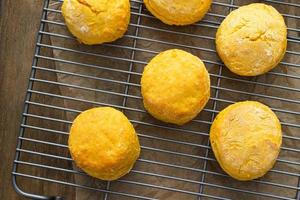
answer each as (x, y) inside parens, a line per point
(178, 12)
(252, 40)
(175, 86)
(246, 139)
(96, 21)
(103, 143)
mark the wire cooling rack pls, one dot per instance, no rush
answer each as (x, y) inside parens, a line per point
(177, 162)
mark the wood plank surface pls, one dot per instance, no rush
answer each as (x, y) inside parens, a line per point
(19, 23)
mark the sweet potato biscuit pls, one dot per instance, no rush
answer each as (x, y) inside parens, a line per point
(252, 40)
(175, 86)
(103, 143)
(178, 12)
(246, 139)
(96, 21)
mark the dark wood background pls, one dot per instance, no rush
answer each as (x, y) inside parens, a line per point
(19, 22)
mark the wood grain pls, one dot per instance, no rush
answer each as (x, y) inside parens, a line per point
(19, 23)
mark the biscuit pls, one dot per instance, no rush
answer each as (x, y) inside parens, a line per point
(246, 139)
(252, 40)
(103, 143)
(96, 22)
(178, 12)
(175, 86)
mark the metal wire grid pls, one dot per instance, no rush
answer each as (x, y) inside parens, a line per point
(203, 185)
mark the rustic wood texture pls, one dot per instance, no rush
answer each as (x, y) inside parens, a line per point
(19, 23)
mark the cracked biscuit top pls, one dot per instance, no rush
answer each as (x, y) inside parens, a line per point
(252, 40)
(96, 21)
(246, 139)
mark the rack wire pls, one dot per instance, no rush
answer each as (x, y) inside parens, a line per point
(177, 162)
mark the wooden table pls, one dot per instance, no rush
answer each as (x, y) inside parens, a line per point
(19, 22)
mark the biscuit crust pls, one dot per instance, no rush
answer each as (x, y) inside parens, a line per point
(246, 139)
(96, 21)
(103, 143)
(252, 40)
(175, 86)
(178, 12)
